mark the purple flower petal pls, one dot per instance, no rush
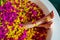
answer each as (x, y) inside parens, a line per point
(34, 12)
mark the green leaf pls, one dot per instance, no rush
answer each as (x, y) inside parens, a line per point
(0, 2)
(4, 1)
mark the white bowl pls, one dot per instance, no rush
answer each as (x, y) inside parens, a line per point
(56, 20)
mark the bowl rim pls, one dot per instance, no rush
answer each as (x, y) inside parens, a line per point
(56, 20)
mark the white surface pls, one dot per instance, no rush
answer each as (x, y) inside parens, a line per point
(56, 20)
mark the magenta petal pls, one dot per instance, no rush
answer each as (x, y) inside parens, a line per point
(34, 12)
(21, 25)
